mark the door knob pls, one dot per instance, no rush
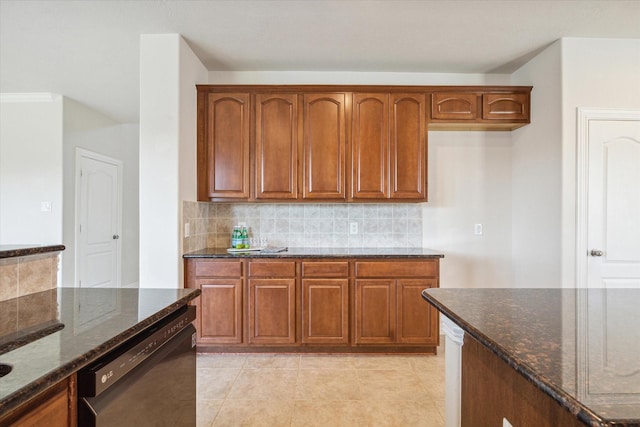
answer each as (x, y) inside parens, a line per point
(116, 237)
(595, 252)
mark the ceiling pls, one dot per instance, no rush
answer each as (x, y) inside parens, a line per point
(89, 50)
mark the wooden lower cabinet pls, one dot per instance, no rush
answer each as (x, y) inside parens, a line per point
(333, 305)
(325, 302)
(219, 309)
(492, 391)
(272, 302)
(388, 309)
(56, 407)
(375, 311)
(416, 325)
(272, 309)
(221, 299)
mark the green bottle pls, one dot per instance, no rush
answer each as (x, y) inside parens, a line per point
(236, 239)
(244, 235)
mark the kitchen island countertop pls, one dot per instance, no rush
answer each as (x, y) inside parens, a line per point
(90, 323)
(388, 253)
(14, 251)
(578, 346)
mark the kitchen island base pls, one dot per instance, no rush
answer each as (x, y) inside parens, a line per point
(492, 391)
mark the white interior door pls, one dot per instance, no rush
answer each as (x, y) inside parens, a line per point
(608, 231)
(608, 255)
(99, 196)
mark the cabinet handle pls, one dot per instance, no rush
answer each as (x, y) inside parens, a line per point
(595, 252)
(116, 237)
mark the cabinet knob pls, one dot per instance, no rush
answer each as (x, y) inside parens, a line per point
(116, 237)
(595, 252)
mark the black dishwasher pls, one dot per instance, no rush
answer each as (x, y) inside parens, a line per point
(148, 381)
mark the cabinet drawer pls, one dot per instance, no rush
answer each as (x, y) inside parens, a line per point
(219, 268)
(325, 269)
(397, 269)
(507, 106)
(454, 106)
(272, 268)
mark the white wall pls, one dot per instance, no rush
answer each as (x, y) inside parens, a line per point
(469, 183)
(571, 73)
(191, 72)
(353, 78)
(90, 130)
(536, 175)
(168, 74)
(596, 73)
(30, 168)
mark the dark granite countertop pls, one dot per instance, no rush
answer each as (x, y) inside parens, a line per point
(93, 322)
(388, 253)
(579, 346)
(13, 251)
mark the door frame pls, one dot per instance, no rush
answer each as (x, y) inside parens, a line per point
(81, 152)
(585, 117)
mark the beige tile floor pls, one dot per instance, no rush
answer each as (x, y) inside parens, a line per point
(320, 390)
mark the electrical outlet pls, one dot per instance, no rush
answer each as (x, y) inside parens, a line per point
(353, 228)
(187, 229)
(477, 229)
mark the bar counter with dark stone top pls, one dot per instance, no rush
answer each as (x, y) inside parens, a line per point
(381, 253)
(579, 346)
(90, 323)
(13, 251)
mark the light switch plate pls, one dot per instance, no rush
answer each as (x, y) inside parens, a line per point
(477, 229)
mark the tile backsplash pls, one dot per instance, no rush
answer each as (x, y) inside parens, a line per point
(28, 274)
(304, 225)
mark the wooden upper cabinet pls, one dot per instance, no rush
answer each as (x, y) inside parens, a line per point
(223, 146)
(493, 108)
(408, 147)
(509, 106)
(324, 146)
(316, 143)
(388, 147)
(370, 146)
(276, 152)
(454, 105)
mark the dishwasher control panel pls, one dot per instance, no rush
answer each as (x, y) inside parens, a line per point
(100, 375)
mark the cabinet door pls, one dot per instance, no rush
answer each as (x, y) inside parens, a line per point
(220, 311)
(55, 407)
(325, 311)
(272, 310)
(375, 311)
(505, 106)
(324, 146)
(417, 319)
(408, 147)
(276, 153)
(370, 146)
(223, 146)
